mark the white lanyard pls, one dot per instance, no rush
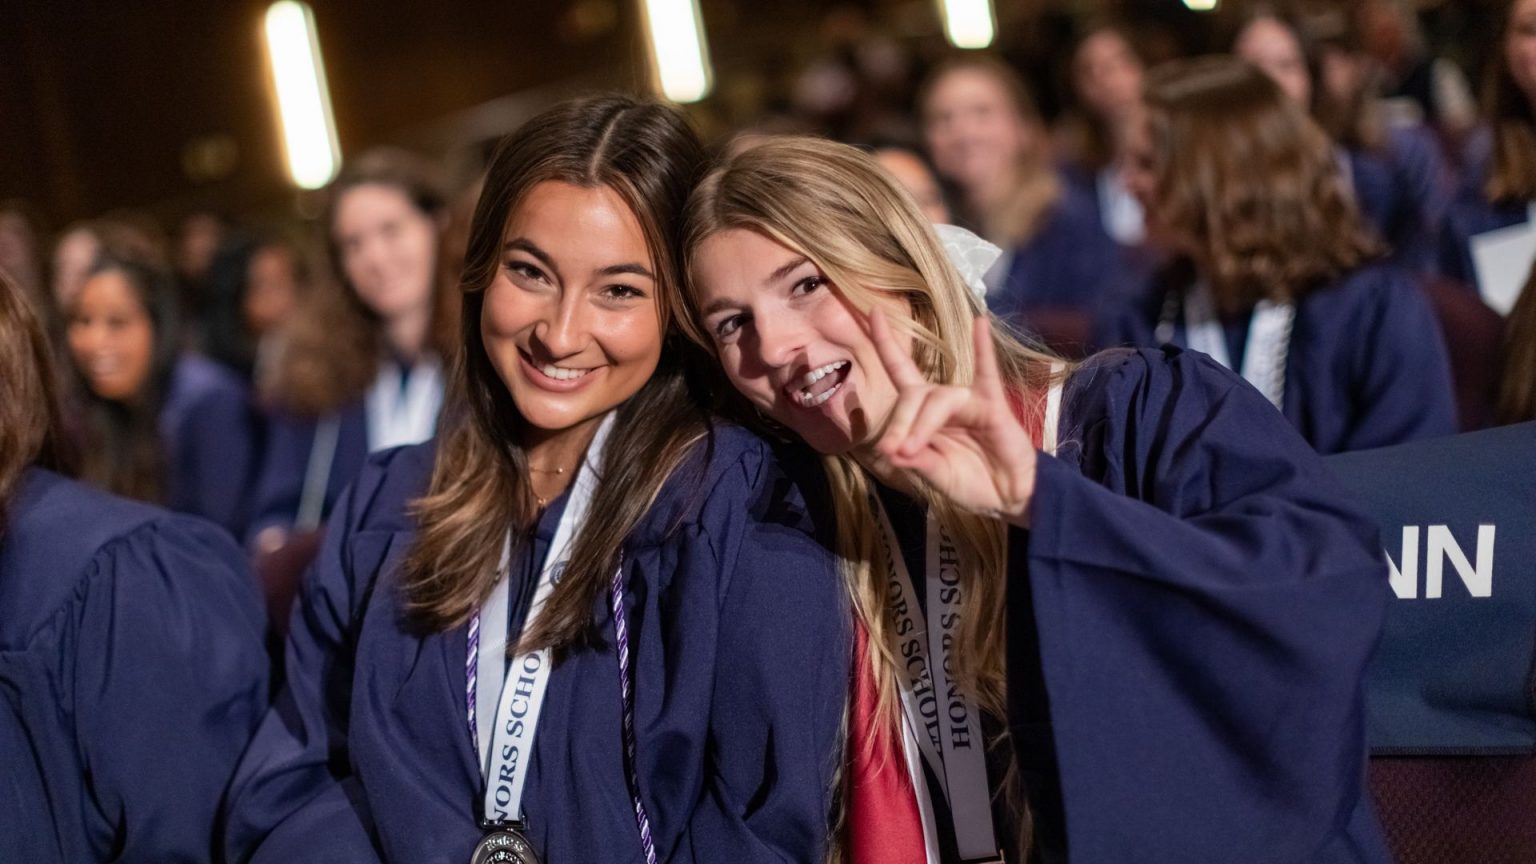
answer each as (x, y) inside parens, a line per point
(940, 725)
(506, 752)
(400, 415)
(1269, 340)
(945, 723)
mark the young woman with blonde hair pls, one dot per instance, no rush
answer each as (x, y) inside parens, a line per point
(1125, 589)
(1273, 272)
(676, 638)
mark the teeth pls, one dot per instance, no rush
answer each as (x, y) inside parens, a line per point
(801, 394)
(815, 375)
(559, 374)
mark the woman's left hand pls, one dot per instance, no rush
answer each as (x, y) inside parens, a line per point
(965, 442)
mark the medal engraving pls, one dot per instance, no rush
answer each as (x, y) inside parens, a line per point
(504, 846)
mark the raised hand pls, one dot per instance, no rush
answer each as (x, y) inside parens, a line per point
(963, 442)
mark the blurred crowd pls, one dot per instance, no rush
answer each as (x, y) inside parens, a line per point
(1357, 240)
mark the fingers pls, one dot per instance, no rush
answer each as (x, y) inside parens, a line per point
(943, 407)
(898, 362)
(988, 379)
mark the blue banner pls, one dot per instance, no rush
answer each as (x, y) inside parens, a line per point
(1456, 669)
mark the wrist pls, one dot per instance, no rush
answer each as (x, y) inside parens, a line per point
(1020, 507)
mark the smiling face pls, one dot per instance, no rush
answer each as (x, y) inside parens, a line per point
(111, 337)
(570, 320)
(387, 247)
(974, 130)
(790, 342)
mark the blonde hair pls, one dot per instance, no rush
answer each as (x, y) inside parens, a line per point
(833, 204)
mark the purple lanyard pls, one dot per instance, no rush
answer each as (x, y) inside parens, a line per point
(626, 695)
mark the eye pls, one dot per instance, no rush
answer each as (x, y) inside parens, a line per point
(623, 292)
(727, 327)
(807, 285)
(524, 270)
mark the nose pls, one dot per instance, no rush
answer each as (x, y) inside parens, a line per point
(780, 339)
(562, 331)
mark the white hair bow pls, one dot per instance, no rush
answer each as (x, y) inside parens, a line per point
(974, 257)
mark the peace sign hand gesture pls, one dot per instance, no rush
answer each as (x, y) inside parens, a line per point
(964, 442)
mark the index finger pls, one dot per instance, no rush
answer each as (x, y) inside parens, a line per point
(988, 376)
(898, 363)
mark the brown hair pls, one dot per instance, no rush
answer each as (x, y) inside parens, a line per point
(1089, 134)
(1037, 187)
(647, 154)
(119, 442)
(1245, 175)
(30, 431)
(1517, 386)
(1512, 178)
(835, 205)
(333, 343)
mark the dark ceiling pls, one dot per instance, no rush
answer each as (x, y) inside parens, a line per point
(164, 104)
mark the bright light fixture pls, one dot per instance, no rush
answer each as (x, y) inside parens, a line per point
(679, 50)
(303, 99)
(1201, 5)
(969, 23)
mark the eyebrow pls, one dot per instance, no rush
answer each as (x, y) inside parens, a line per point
(789, 267)
(523, 244)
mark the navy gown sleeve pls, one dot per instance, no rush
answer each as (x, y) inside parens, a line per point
(294, 796)
(280, 483)
(741, 671)
(1205, 603)
(169, 679)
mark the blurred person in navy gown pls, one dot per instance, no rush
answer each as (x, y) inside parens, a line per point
(1154, 605)
(1275, 274)
(986, 139)
(1399, 177)
(255, 284)
(132, 672)
(1107, 76)
(155, 422)
(361, 367)
(1499, 187)
(693, 561)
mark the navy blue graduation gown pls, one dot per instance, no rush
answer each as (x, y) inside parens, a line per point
(132, 675)
(290, 438)
(211, 436)
(740, 641)
(1367, 365)
(1190, 618)
(1403, 191)
(1059, 279)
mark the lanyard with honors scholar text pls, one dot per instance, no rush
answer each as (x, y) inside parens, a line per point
(506, 699)
(940, 724)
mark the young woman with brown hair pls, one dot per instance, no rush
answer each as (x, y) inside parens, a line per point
(361, 366)
(153, 421)
(1499, 192)
(1126, 586)
(132, 672)
(1398, 175)
(1274, 273)
(678, 649)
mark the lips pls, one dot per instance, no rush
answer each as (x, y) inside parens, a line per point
(818, 385)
